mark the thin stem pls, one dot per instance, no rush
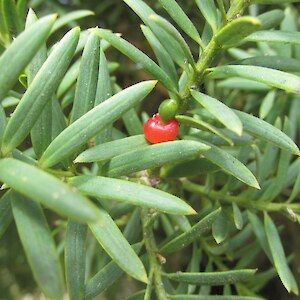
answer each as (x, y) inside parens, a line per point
(217, 196)
(151, 248)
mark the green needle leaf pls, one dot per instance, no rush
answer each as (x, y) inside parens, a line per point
(138, 57)
(222, 112)
(13, 61)
(6, 215)
(154, 156)
(178, 15)
(114, 243)
(268, 132)
(235, 31)
(275, 36)
(212, 278)
(39, 246)
(79, 132)
(279, 256)
(186, 238)
(282, 80)
(40, 91)
(75, 259)
(130, 192)
(231, 165)
(111, 149)
(47, 190)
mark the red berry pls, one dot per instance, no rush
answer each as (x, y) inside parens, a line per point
(156, 131)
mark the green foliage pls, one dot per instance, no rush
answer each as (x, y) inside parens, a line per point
(92, 203)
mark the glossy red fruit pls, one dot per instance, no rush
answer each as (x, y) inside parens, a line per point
(156, 131)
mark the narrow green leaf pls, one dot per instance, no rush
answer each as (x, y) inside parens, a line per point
(197, 123)
(78, 133)
(231, 165)
(138, 57)
(3, 123)
(236, 31)
(46, 189)
(154, 156)
(237, 216)
(130, 192)
(39, 246)
(243, 84)
(218, 297)
(279, 256)
(114, 243)
(212, 278)
(271, 77)
(275, 36)
(209, 12)
(274, 1)
(87, 78)
(75, 259)
(6, 215)
(271, 19)
(222, 112)
(69, 79)
(40, 91)
(104, 92)
(220, 227)
(172, 31)
(22, 8)
(111, 149)
(281, 63)
(13, 61)
(11, 17)
(132, 122)
(70, 17)
(105, 277)
(266, 131)
(162, 55)
(267, 104)
(296, 189)
(168, 42)
(41, 133)
(178, 15)
(186, 238)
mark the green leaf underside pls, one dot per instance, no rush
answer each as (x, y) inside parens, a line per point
(130, 192)
(209, 12)
(79, 132)
(222, 112)
(109, 150)
(39, 246)
(237, 30)
(75, 257)
(154, 156)
(13, 61)
(178, 15)
(46, 189)
(275, 36)
(40, 91)
(231, 165)
(138, 57)
(112, 240)
(6, 215)
(279, 256)
(212, 278)
(268, 132)
(195, 233)
(271, 77)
